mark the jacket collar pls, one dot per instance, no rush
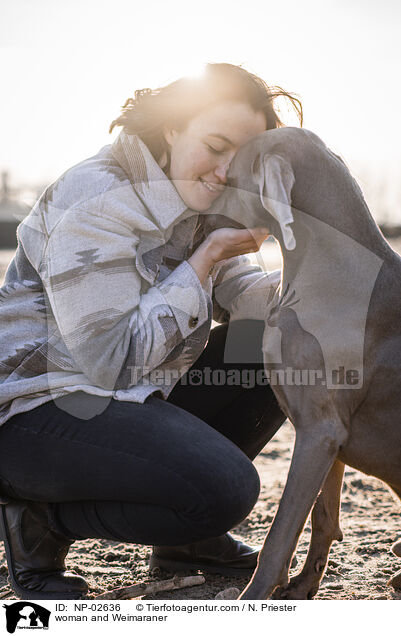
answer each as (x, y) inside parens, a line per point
(154, 188)
(156, 192)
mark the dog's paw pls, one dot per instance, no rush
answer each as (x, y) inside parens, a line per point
(299, 588)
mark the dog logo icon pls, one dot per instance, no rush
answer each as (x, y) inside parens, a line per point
(26, 615)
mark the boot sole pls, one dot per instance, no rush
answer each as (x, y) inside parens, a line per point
(178, 566)
(18, 589)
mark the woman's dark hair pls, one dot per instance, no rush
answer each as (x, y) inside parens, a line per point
(177, 103)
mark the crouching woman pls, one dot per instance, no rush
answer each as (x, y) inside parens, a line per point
(110, 427)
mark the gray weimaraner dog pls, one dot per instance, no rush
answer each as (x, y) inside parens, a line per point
(332, 342)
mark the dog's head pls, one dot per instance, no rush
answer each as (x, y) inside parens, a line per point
(258, 191)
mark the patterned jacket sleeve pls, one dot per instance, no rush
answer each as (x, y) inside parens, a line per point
(94, 289)
(242, 290)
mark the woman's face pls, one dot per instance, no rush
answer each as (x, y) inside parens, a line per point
(201, 154)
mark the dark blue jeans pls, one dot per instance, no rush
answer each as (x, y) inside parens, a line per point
(158, 473)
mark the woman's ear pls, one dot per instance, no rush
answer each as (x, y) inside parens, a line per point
(275, 178)
(163, 161)
(164, 158)
(169, 135)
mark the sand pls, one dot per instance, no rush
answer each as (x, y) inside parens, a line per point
(358, 567)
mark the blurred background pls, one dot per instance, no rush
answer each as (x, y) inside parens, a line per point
(67, 67)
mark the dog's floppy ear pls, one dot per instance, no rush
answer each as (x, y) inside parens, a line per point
(275, 179)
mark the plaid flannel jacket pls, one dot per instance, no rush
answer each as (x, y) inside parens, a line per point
(100, 296)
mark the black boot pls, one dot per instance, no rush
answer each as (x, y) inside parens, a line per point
(218, 555)
(35, 553)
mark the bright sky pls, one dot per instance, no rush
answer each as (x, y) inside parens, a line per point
(68, 66)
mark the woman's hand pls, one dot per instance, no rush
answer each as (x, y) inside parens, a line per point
(225, 243)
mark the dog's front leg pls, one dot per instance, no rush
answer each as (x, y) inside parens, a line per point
(325, 530)
(315, 451)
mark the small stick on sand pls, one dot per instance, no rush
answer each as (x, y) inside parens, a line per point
(140, 589)
(5, 592)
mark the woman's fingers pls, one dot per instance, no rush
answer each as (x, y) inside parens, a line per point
(254, 237)
(257, 234)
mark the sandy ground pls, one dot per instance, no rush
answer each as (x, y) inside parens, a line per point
(358, 568)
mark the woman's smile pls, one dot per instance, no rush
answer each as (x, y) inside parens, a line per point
(213, 188)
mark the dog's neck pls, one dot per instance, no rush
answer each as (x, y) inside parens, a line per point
(324, 248)
(332, 276)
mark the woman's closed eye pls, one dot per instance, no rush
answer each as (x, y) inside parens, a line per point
(215, 151)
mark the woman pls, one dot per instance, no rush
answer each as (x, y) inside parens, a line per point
(108, 303)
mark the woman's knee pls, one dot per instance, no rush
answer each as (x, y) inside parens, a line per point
(232, 492)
